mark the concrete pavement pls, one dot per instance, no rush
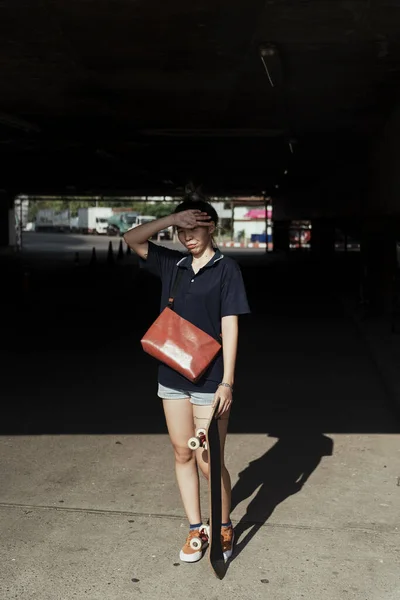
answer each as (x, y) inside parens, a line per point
(100, 517)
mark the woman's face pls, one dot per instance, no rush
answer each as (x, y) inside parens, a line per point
(198, 239)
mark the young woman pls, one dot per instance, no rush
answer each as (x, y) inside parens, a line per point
(211, 295)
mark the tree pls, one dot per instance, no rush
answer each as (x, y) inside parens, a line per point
(74, 203)
(159, 209)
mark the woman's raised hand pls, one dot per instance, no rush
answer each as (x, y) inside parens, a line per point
(189, 219)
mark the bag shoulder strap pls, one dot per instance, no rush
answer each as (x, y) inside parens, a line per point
(175, 286)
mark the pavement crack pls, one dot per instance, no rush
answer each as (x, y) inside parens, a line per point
(374, 528)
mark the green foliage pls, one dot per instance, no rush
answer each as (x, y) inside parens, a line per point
(71, 203)
(159, 209)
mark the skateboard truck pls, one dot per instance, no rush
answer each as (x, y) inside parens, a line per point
(198, 543)
(199, 441)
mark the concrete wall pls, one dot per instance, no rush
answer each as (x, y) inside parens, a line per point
(7, 220)
(249, 227)
(384, 173)
(367, 188)
(339, 195)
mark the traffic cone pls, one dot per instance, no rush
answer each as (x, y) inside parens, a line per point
(26, 283)
(93, 258)
(110, 254)
(120, 254)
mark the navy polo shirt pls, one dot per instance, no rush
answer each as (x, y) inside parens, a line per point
(216, 291)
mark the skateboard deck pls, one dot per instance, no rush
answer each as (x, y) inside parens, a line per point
(215, 553)
(209, 439)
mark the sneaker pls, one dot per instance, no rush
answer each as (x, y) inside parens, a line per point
(189, 554)
(227, 539)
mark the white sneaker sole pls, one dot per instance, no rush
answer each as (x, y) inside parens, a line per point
(195, 556)
(190, 558)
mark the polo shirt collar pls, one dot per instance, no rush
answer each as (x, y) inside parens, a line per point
(186, 261)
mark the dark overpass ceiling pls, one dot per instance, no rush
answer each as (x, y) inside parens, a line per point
(135, 94)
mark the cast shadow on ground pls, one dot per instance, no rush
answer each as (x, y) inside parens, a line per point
(279, 473)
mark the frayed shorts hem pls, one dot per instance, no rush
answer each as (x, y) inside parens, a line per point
(198, 398)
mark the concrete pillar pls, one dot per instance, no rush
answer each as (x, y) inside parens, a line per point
(323, 238)
(379, 262)
(381, 218)
(7, 220)
(4, 225)
(281, 235)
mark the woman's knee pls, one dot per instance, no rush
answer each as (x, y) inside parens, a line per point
(183, 455)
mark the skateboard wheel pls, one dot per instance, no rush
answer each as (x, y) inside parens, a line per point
(194, 443)
(196, 544)
(200, 432)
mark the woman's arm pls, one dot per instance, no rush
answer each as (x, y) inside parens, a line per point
(137, 238)
(230, 331)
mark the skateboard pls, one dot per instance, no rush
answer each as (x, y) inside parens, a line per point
(208, 439)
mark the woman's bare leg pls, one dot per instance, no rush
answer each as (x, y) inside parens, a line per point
(201, 417)
(179, 418)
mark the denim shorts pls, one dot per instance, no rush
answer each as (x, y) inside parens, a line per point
(198, 398)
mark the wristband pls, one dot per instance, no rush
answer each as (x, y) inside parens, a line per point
(226, 385)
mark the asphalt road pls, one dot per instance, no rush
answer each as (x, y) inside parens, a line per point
(66, 242)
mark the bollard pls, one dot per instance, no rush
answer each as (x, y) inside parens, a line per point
(26, 283)
(93, 258)
(110, 254)
(120, 254)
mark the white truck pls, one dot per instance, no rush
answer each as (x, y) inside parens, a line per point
(164, 234)
(49, 219)
(121, 222)
(94, 219)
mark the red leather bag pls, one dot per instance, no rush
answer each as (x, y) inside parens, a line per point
(178, 343)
